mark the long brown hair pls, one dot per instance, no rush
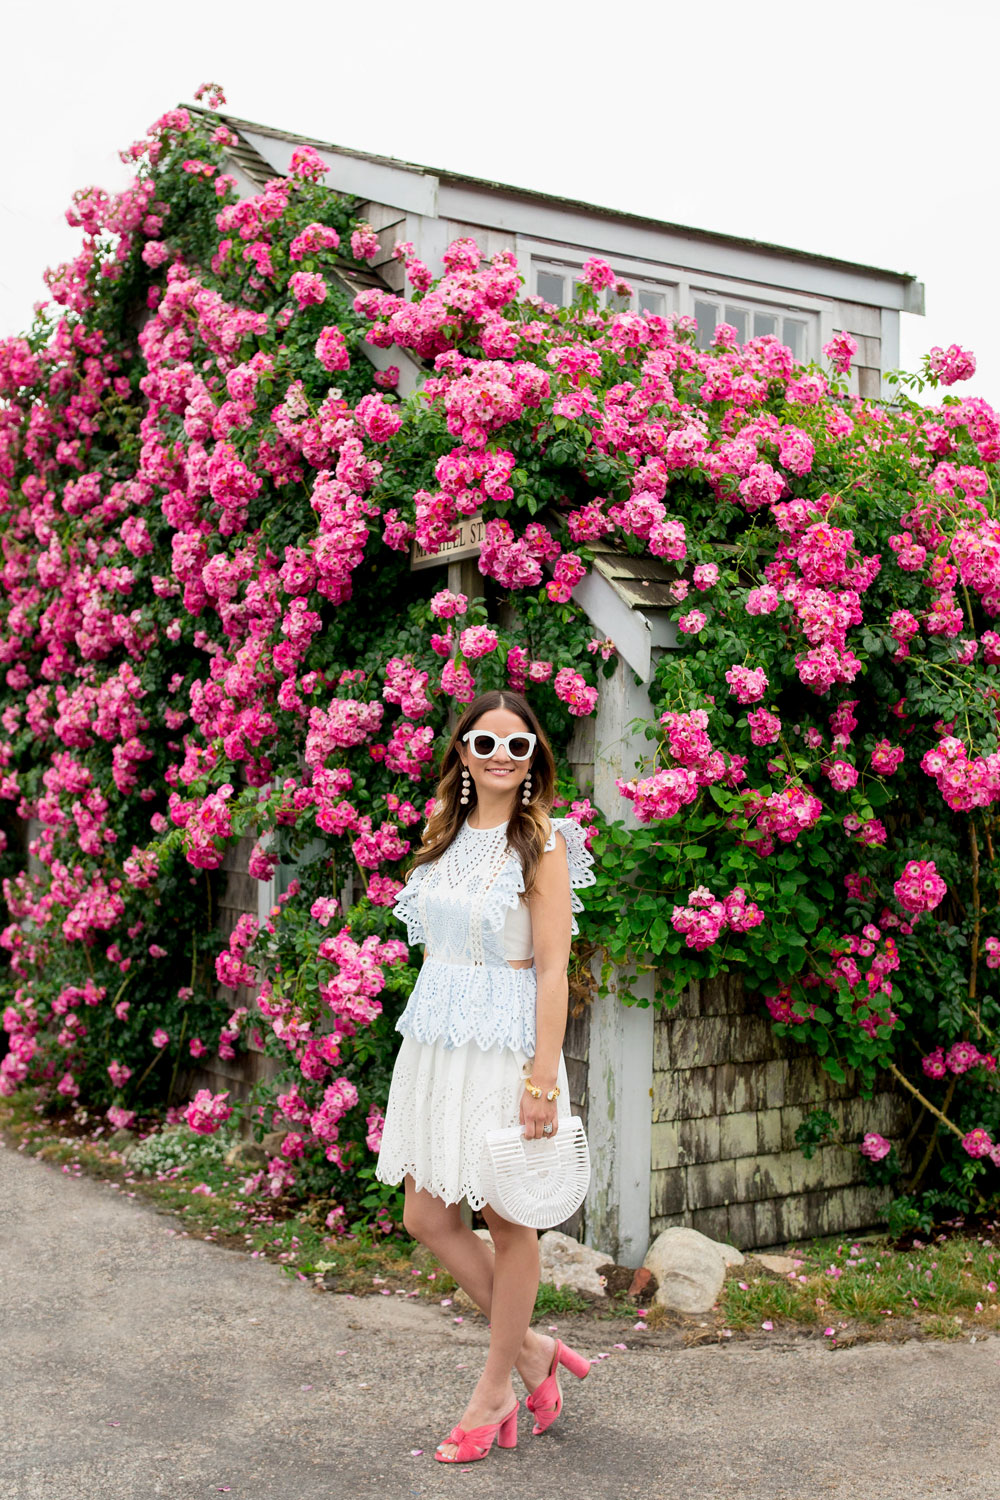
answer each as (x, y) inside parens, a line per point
(528, 827)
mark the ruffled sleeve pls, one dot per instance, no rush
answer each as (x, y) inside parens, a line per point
(581, 861)
(406, 907)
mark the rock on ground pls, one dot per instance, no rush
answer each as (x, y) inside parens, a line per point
(689, 1269)
(781, 1265)
(565, 1262)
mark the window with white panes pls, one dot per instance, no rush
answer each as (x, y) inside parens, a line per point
(795, 327)
(556, 283)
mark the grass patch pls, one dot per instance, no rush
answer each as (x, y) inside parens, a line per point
(942, 1288)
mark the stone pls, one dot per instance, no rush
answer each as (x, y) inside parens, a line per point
(689, 1269)
(729, 1253)
(121, 1140)
(271, 1143)
(245, 1154)
(781, 1265)
(565, 1262)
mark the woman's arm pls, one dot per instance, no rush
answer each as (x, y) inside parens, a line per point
(551, 930)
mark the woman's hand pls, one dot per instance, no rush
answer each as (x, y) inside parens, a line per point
(536, 1114)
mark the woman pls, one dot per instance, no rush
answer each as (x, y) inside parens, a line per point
(490, 897)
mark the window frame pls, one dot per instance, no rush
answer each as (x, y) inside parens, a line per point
(772, 301)
(568, 261)
(682, 286)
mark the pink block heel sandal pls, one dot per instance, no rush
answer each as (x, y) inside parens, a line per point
(478, 1441)
(545, 1400)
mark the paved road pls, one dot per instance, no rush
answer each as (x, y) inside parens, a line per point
(138, 1364)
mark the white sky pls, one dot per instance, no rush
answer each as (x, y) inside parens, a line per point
(862, 130)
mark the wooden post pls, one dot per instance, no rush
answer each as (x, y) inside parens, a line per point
(620, 1072)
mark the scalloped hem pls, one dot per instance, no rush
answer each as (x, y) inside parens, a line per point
(492, 1005)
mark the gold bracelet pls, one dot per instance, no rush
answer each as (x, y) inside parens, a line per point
(536, 1093)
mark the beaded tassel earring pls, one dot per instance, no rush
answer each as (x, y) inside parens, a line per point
(466, 783)
(526, 790)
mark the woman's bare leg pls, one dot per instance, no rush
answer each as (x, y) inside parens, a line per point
(515, 1287)
(510, 1274)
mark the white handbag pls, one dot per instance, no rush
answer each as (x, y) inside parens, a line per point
(537, 1183)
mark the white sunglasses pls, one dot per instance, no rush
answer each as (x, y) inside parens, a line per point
(483, 745)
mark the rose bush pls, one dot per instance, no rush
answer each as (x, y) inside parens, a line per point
(208, 499)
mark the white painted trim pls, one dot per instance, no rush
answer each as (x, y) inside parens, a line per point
(620, 1062)
(395, 186)
(827, 325)
(555, 227)
(267, 898)
(411, 376)
(628, 628)
(758, 291)
(619, 1124)
(889, 350)
(430, 241)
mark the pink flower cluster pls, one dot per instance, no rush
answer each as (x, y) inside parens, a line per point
(747, 684)
(920, 887)
(963, 782)
(783, 815)
(959, 1058)
(705, 918)
(952, 364)
(207, 1111)
(575, 692)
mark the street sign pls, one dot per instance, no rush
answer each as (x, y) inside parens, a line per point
(468, 543)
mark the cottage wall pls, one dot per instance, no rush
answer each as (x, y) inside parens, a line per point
(713, 1143)
(728, 1096)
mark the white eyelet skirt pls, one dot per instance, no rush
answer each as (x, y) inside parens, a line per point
(442, 1101)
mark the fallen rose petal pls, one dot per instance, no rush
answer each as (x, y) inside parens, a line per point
(767, 1326)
